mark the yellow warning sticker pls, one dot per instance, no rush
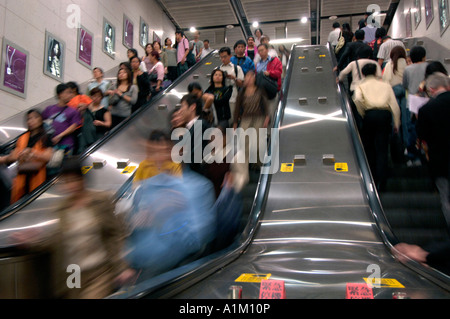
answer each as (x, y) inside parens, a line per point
(287, 167)
(86, 169)
(322, 56)
(208, 63)
(253, 277)
(301, 57)
(341, 167)
(383, 283)
(129, 170)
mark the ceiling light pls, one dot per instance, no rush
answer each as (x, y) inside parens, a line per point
(289, 40)
(193, 29)
(255, 24)
(304, 20)
(333, 17)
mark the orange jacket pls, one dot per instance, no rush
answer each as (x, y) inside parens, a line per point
(35, 180)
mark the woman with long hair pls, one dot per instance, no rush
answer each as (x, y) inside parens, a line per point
(171, 53)
(252, 111)
(162, 54)
(222, 95)
(122, 96)
(142, 81)
(33, 151)
(146, 58)
(393, 74)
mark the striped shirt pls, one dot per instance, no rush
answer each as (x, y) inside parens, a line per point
(386, 48)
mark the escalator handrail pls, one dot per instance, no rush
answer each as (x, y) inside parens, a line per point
(385, 230)
(172, 282)
(19, 205)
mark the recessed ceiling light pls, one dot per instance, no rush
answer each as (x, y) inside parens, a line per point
(193, 29)
(230, 26)
(333, 17)
(255, 24)
(304, 20)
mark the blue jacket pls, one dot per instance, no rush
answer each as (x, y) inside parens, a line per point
(245, 63)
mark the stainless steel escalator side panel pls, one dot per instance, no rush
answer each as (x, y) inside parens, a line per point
(317, 231)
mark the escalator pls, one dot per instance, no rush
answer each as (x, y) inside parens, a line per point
(317, 223)
(411, 201)
(37, 210)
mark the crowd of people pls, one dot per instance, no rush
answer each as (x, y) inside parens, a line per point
(79, 119)
(153, 235)
(400, 103)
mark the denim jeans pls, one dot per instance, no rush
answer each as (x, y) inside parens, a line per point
(399, 92)
(181, 68)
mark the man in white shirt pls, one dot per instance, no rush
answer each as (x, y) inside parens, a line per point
(272, 52)
(206, 49)
(235, 76)
(333, 37)
(196, 46)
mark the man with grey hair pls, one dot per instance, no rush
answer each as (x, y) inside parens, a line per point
(433, 128)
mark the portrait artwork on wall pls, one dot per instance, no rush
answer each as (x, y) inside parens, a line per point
(109, 39)
(14, 69)
(443, 15)
(429, 12)
(54, 57)
(417, 13)
(408, 24)
(85, 46)
(128, 32)
(143, 33)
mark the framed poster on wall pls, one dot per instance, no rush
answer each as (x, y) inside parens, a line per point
(128, 32)
(109, 39)
(443, 15)
(143, 33)
(417, 13)
(429, 13)
(14, 69)
(408, 24)
(54, 57)
(85, 46)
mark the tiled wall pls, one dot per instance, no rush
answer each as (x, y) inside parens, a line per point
(25, 22)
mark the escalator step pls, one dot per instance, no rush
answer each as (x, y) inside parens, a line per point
(415, 218)
(409, 185)
(412, 200)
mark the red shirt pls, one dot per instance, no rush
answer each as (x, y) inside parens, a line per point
(275, 69)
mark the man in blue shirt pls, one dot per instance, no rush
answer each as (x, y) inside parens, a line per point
(240, 58)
